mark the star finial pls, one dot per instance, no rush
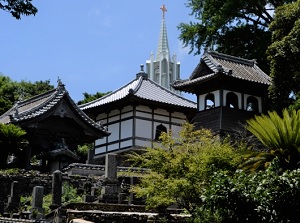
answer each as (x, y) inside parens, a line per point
(163, 9)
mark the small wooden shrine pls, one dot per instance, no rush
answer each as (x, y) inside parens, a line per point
(55, 126)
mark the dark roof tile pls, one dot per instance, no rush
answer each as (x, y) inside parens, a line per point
(229, 65)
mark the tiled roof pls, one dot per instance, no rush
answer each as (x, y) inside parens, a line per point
(102, 168)
(229, 65)
(16, 220)
(145, 89)
(41, 104)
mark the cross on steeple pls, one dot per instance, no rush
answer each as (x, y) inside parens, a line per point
(163, 9)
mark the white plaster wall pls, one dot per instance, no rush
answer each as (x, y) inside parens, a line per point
(201, 99)
(101, 116)
(114, 112)
(143, 114)
(177, 115)
(126, 128)
(258, 99)
(114, 146)
(127, 108)
(100, 150)
(239, 95)
(161, 118)
(143, 108)
(126, 143)
(161, 112)
(143, 128)
(126, 115)
(114, 129)
(143, 143)
(100, 141)
(114, 118)
(179, 120)
(175, 130)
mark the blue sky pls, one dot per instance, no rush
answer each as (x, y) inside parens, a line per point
(91, 45)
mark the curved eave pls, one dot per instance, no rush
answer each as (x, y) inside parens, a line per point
(162, 105)
(190, 85)
(81, 118)
(42, 106)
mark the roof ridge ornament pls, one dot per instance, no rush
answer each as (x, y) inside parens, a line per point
(60, 85)
(142, 73)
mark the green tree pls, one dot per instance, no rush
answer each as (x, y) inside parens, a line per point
(8, 90)
(281, 135)
(17, 8)
(263, 196)
(12, 140)
(284, 55)
(180, 167)
(91, 97)
(227, 23)
(12, 91)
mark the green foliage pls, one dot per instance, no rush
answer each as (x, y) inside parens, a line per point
(280, 134)
(70, 194)
(12, 141)
(13, 171)
(180, 167)
(239, 28)
(12, 91)
(263, 196)
(83, 149)
(17, 8)
(284, 55)
(91, 97)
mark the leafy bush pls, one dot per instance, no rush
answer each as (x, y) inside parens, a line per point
(69, 195)
(180, 167)
(264, 196)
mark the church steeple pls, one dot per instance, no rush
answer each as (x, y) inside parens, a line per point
(163, 69)
(163, 45)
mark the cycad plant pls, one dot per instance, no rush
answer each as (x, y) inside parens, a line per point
(11, 141)
(281, 135)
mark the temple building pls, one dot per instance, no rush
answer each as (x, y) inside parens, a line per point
(54, 127)
(229, 91)
(136, 114)
(163, 69)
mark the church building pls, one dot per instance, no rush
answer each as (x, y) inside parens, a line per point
(163, 69)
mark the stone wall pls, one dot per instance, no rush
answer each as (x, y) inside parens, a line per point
(28, 181)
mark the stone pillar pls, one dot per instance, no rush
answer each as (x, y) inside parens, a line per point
(37, 202)
(110, 191)
(90, 156)
(14, 198)
(56, 189)
(111, 167)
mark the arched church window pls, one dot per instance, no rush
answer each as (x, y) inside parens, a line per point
(209, 101)
(252, 104)
(160, 129)
(232, 100)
